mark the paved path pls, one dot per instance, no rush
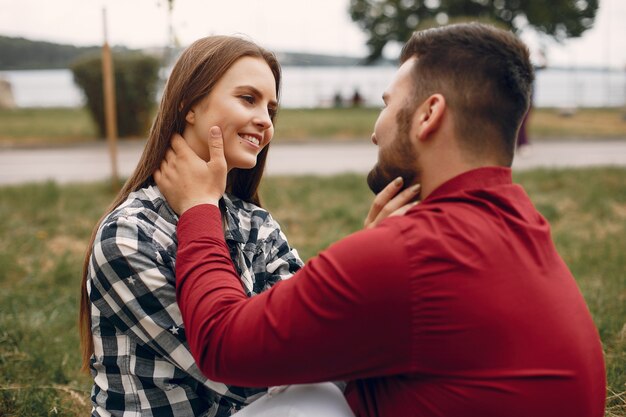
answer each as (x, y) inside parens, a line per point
(91, 162)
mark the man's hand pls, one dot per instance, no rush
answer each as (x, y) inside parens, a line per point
(186, 180)
(387, 203)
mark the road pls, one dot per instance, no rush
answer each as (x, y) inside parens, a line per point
(86, 163)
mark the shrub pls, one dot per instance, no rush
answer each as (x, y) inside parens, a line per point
(136, 77)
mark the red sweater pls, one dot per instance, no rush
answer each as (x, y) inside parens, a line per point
(460, 308)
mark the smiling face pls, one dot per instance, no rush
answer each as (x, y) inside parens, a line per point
(242, 103)
(397, 156)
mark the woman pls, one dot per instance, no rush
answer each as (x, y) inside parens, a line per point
(132, 334)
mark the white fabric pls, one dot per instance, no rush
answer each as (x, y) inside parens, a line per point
(309, 400)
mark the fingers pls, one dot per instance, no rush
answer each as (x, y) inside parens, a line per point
(161, 177)
(402, 210)
(405, 197)
(170, 156)
(391, 205)
(216, 147)
(383, 198)
(178, 143)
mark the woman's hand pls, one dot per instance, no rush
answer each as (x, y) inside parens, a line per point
(389, 203)
(186, 180)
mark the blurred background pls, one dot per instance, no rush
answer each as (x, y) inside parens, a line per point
(337, 56)
(321, 45)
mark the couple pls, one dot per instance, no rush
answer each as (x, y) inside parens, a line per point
(460, 306)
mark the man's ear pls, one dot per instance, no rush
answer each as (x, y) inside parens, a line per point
(429, 116)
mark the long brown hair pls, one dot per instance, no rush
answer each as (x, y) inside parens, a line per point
(193, 77)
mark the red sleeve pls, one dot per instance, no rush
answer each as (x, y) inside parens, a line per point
(345, 315)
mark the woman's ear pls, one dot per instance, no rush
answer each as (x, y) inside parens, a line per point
(190, 117)
(429, 115)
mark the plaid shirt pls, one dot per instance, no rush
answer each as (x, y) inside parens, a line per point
(142, 365)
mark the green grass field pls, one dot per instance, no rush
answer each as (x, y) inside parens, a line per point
(44, 229)
(54, 127)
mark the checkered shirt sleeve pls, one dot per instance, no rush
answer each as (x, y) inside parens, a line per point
(142, 365)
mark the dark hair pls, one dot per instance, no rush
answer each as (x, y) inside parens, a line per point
(193, 77)
(484, 74)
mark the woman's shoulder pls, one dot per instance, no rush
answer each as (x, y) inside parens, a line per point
(145, 211)
(245, 217)
(232, 201)
(244, 209)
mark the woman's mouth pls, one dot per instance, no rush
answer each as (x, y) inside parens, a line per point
(255, 140)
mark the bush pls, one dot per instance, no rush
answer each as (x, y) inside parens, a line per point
(136, 77)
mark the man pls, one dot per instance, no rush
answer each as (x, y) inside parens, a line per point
(460, 307)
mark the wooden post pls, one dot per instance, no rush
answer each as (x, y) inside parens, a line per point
(110, 115)
(624, 115)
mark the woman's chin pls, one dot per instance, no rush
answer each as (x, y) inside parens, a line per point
(244, 165)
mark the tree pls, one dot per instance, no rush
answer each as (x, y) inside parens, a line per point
(136, 78)
(396, 20)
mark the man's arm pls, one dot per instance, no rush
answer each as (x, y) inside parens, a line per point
(337, 320)
(345, 315)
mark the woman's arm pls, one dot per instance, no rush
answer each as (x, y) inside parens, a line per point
(132, 285)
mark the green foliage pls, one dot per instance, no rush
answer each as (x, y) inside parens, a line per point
(20, 53)
(136, 77)
(395, 20)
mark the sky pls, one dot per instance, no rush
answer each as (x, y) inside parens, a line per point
(320, 26)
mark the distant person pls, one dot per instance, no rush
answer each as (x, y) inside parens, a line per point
(133, 338)
(357, 99)
(462, 307)
(338, 100)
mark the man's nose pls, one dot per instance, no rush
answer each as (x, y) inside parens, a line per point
(374, 141)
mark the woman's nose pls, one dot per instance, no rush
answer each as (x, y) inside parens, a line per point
(263, 120)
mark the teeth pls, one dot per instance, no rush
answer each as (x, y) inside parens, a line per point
(249, 138)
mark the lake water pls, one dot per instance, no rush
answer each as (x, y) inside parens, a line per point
(316, 86)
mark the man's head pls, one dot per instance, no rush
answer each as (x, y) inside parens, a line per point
(472, 78)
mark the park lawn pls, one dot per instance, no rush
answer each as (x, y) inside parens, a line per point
(583, 124)
(44, 229)
(63, 126)
(46, 127)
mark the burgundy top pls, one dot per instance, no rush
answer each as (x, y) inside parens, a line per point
(462, 307)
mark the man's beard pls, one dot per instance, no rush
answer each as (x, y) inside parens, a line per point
(398, 159)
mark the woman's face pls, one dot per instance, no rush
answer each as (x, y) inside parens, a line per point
(242, 104)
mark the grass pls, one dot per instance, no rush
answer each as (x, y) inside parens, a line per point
(337, 124)
(44, 229)
(62, 126)
(46, 126)
(584, 123)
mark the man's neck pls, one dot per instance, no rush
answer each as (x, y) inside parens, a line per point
(435, 176)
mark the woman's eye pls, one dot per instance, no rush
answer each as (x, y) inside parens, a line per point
(249, 99)
(271, 112)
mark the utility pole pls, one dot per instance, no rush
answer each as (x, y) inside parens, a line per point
(168, 56)
(110, 115)
(607, 55)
